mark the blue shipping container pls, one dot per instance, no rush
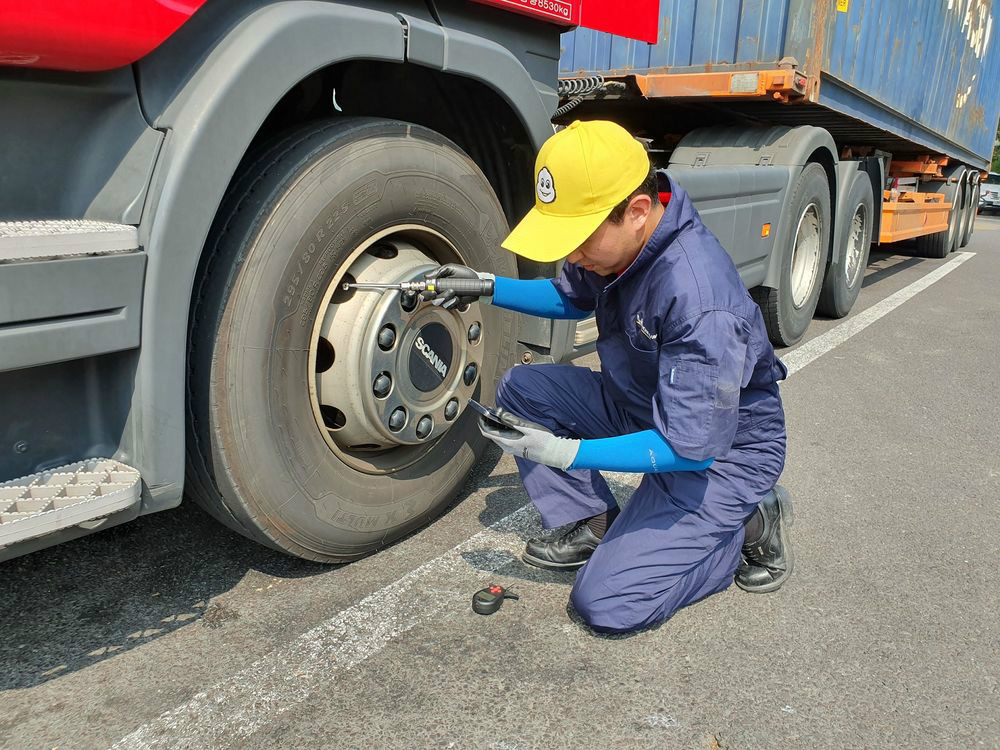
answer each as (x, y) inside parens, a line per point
(925, 71)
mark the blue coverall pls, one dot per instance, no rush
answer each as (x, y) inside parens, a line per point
(683, 351)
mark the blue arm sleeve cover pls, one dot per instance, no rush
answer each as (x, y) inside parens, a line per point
(644, 452)
(535, 297)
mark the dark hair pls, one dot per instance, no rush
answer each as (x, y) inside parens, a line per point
(648, 187)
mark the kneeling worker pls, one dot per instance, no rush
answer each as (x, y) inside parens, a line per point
(687, 392)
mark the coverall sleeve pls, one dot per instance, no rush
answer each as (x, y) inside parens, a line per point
(702, 367)
(535, 297)
(574, 284)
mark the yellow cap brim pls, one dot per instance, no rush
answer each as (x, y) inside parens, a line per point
(545, 238)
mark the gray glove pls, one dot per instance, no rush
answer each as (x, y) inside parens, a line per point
(447, 298)
(531, 441)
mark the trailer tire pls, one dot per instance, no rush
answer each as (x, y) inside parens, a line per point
(971, 208)
(805, 232)
(940, 244)
(846, 274)
(259, 457)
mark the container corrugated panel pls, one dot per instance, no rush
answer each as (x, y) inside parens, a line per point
(926, 70)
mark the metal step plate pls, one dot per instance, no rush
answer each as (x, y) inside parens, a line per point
(36, 240)
(72, 495)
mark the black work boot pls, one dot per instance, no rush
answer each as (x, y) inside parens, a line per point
(767, 561)
(569, 550)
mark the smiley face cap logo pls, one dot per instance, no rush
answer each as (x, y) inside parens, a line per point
(545, 187)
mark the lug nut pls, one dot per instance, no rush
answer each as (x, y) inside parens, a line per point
(469, 376)
(397, 419)
(408, 301)
(475, 330)
(424, 427)
(451, 409)
(382, 385)
(386, 338)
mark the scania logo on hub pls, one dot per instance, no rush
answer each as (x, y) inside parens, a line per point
(430, 357)
(436, 362)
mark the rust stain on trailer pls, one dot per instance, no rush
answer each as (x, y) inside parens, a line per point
(977, 116)
(814, 55)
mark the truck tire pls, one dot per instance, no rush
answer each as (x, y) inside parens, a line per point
(940, 244)
(295, 386)
(845, 275)
(805, 230)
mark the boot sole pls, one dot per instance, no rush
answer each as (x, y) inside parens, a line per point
(549, 565)
(787, 519)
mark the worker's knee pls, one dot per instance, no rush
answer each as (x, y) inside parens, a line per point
(504, 389)
(607, 612)
(511, 389)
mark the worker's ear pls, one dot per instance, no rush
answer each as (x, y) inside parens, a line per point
(638, 209)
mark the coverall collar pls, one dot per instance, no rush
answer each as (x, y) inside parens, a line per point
(676, 214)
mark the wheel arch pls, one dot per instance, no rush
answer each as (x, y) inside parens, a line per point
(211, 119)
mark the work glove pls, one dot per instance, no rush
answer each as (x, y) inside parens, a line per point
(447, 298)
(531, 441)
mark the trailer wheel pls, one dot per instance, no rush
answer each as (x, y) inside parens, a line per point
(940, 244)
(971, 208)
(805, 229)
(327, 423)
(844, 276)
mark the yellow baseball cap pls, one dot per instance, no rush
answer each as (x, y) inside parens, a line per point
(581, 173)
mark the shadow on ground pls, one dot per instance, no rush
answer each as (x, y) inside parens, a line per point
(77, 604)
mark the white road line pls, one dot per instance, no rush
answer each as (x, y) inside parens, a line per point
(817, 347)
(229, 712)
(232, 710)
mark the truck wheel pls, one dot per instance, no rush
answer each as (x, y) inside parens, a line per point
(940, 244)
(805, 227)
(327, 423)
(844, 276)
(971, 208)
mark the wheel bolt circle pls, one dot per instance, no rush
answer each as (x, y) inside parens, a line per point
(451, 409)
(382, 385)
(386, 338)
(475, 331)
(469, 376)
(397, 419)
(424, 427)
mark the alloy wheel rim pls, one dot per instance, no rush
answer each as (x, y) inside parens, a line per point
(391, 375)
(805, 255)
(855, 246)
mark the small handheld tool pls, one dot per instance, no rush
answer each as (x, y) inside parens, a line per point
(461, 287)
(491, 415)
(488, 600)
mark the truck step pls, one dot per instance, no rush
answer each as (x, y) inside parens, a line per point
(38, 240)
(76, 494)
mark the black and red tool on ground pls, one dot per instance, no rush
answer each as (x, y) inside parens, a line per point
(488, 600)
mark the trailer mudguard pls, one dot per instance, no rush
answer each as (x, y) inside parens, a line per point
(210, 119)
(760, 157)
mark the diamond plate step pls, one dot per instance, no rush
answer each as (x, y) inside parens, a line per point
(71, 495)
(37, 240)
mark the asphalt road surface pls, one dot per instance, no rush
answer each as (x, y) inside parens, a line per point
(172, 632)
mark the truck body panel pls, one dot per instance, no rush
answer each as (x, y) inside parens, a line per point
(107, 34)
(919, 75)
